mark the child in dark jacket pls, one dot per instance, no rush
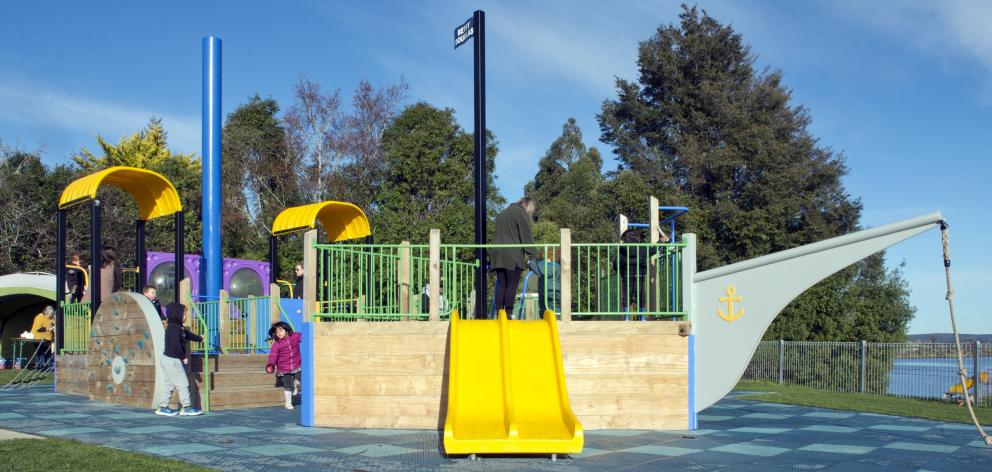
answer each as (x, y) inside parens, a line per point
(284, 359)
(172, 363)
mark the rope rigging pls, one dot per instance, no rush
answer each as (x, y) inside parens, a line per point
(962, 372)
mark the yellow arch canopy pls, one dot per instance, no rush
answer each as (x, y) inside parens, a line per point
(153, 193)
(341, 221)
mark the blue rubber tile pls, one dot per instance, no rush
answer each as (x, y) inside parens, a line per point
(9, 402)
(760, 430)
(377, 450)
(661, 450)
(308, 431)
(130, 415)
(751, 449)
(899, 427)
(10, 416)
(62, 416)
(281, 450)
(919, 447)
(615, 432)
(386, 432)
(183, 448)
(588, 452)
(979, 444)
(766, 416)
(70, 431)
(963, 427)
(229, 430)
(838, 448)
(61, 403)
(705, 418)
(829, 414)
(150, 429)
(827, 428)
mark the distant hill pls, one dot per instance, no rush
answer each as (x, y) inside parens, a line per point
(949, 338)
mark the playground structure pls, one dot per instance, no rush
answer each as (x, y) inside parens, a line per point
(385, 344)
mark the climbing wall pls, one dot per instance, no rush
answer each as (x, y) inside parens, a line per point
(122, 351)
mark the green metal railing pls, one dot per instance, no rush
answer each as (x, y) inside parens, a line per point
(207, 313)
(129, 282)
(371, 282)
(390, 282)
(625, 280)
(200, 327)
(75, 327)
(247, 323)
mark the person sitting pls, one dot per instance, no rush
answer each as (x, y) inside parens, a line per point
(43, 329)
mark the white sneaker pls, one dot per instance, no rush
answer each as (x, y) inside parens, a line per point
(289, 405)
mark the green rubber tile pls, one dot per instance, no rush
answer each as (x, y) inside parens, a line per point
(751, 449)
(376, 450)
(177, 449)
(661, 450)
(838, 448)
(921, 447)
(229, 430)
(281, 450)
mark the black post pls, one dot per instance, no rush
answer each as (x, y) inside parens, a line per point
(141, 255)
(273, 259)
(180, 254)
(481, 180)
(59, 280)
(96, 256)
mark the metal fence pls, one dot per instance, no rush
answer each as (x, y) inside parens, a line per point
(913, 370)
(76, 327)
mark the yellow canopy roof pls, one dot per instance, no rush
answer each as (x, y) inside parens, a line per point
(341, 221)
(154, 194)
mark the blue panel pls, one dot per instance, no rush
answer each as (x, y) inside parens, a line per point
(293, 308)
(211, 129)
(306, 416)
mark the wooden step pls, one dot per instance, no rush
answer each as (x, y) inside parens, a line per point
(245, 397)
(229, 362)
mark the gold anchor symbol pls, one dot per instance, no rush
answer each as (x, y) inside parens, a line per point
(730, 316)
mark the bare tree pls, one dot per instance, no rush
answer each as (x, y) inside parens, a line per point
(313, 125)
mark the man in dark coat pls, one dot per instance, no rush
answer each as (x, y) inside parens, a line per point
(512, 227)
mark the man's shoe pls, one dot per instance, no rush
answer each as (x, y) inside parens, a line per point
(190, 411)
(166, 412)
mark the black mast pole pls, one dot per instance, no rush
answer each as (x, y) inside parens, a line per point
(481, 180)
(96, 254)
(60, 282)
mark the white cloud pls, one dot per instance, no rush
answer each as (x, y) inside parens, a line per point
(954, 33)
(34, 105)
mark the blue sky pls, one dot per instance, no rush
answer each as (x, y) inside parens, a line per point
(902, 88)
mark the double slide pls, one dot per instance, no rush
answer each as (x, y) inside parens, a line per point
(506, 389)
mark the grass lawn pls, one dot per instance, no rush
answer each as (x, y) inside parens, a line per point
(52, 455)
(796, 395)
(8, 375)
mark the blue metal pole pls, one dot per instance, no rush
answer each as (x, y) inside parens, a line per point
(211, 122)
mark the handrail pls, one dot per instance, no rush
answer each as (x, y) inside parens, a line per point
(206, 353)
(287, 284)
(86, 274)
(283, 315)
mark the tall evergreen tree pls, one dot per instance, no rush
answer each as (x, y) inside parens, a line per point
(569, 186)
(703, 125)
(428, 178)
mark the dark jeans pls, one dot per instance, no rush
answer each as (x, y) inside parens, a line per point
(506, 289)
(43, 356)
(632, 293)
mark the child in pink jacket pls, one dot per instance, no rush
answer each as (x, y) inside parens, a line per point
(284, 359)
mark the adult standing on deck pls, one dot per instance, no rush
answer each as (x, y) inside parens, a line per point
(512, 227)
(111, 277)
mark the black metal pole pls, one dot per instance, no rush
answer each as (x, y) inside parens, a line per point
(481, 177)
(180, 254)
(59, 279)
(273, 259)
(96, 256)
(141, 255)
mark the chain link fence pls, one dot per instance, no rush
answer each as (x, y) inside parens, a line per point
(926, 371)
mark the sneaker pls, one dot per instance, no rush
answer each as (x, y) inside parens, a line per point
(166, 412)
(190, 411)
(289, 405)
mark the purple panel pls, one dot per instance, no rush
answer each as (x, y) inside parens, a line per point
(230, 266)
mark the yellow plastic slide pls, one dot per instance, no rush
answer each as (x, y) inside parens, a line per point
(506, 389)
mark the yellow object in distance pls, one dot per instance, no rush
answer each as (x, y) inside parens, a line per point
(154, 194)
(341, 220)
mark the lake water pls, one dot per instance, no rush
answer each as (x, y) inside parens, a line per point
(932, 377)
